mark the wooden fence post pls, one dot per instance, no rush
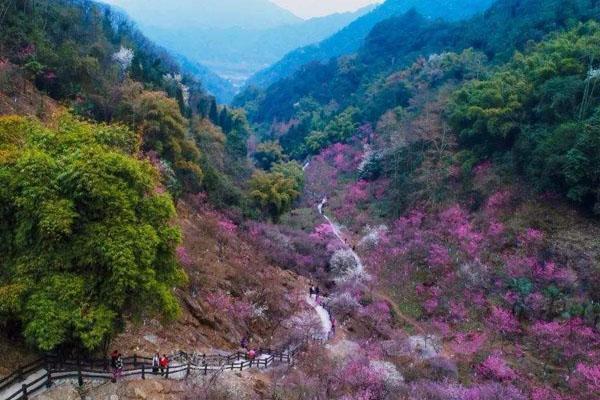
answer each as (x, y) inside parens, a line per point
(143, 371)
(205, 369)
(167, 375)
(48, 379)
(134, 360)
(189, 366)
(24, 390)
(79, 377)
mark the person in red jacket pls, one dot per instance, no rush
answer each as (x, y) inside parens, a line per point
(164, 364)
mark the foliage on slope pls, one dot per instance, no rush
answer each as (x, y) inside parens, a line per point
(541, 113)
(503, 279)
(87, 232)
(395, 43)
(93, 59)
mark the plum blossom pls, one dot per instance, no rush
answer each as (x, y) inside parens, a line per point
(227, 226)
(469, 343)
(495, 367)
(503, 321)
(183, 257)
(123, 58)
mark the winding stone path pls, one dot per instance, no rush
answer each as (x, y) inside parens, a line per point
(324, 317)
(15, 387)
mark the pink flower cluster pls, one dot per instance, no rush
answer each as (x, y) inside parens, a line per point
(227, 226)
(503, 321)
(495, 367)
(183, 257)
(469, 343)
(587, 376)
(224, 303)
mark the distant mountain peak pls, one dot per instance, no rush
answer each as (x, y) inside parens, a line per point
(351, 37)
(250, 14)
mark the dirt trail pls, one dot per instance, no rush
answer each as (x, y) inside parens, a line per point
(408, 320)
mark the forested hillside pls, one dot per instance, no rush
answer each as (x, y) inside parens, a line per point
(89, 207)
(351, 37)
(362, 80)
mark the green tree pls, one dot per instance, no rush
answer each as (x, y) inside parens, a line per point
(267, 154)
(237, 135)
(292, 170)
(85, 235)
(273, 192)
(165, 131)
(339, 129)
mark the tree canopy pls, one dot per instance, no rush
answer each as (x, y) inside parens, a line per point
(86, 234)
(542, 111)
(274, 192)
(267, 154)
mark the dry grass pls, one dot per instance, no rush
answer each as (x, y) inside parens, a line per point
(20, 97)
(224, 263)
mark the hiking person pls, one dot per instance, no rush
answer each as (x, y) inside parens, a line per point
(244, 342)
(317, 291)
(118, 367)
(113, 359)
(333, 323)
(164, 364)
(311, 291)
(251, 354)
(155, 363)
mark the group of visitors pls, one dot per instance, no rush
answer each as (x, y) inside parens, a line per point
(116, 363)
(159, 362)
(250, 353)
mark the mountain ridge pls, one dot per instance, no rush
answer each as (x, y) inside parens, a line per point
(350, 38)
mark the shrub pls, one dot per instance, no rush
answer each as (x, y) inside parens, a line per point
(86, 235)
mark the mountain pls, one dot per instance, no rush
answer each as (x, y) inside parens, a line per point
(234, 49)
(351, 37)
(221, 88)
(397, 41)
(236, 52)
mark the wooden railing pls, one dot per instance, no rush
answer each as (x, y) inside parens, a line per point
(99, 369)
(56, 368)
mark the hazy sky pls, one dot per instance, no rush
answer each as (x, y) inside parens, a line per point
(313, 8)
(302, 8)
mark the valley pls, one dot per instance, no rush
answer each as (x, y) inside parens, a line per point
(407, 210)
